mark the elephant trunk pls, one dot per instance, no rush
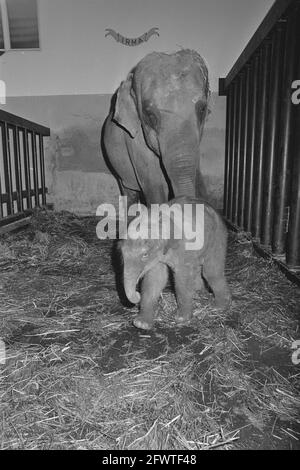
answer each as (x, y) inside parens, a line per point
(182, 173)
(130, 282)
(181, 156)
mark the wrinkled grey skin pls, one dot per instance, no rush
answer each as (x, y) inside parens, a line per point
(153, 132)
(142, 256)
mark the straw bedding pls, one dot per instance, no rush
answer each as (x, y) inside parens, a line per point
(78, 375)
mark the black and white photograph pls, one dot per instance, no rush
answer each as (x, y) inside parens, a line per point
(149, 227)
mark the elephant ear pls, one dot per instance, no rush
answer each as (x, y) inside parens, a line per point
(125, 109)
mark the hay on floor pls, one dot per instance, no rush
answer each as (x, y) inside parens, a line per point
(78, 375)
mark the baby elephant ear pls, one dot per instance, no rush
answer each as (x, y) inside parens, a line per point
(125, 109)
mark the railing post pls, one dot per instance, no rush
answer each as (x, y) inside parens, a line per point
(243, 144)
(237, 145)
(273, 131)
(227, 152)
(18, 169)
(7, 168)
(283, 175)
(235, 152)
(253, 104)
(260, 140)
(42, 165)
(231, 151)
(27, 169)
(35, 168)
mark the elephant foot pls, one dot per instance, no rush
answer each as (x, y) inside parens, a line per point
(222, 302)
(182, 318)
(142, 323)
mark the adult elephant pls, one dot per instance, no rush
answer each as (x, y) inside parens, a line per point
(154, 128)
(152, 137)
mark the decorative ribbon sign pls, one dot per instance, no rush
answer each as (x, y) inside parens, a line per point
(131, 41)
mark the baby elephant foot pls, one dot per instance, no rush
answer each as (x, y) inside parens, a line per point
(223, 301)
(143, 323)
(182, 317)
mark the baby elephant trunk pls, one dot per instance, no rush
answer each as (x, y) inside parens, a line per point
(130, 282)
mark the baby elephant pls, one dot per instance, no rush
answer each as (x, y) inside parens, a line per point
(188, 237)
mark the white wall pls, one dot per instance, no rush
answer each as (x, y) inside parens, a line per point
(76, 58)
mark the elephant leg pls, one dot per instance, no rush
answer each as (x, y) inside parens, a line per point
(153, 283)
(132, 195)
(199, 283)
(216, 279)
(184, 294)
(155, 193)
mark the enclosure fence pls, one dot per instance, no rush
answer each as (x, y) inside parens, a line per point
(22, 169)
(262, 159)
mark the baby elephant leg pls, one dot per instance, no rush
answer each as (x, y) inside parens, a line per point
(184, 294)
(152, 285)
(215, 277)
(199, 283)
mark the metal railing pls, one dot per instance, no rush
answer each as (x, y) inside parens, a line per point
(22, 169)
(262, 157)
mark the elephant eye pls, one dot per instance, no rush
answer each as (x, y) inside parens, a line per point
(151, 119)
(201, 110)
(145, 255)
(150, 116)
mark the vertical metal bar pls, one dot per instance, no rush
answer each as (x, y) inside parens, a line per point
(1, 202)
(16, 144)
(261, 124)
(35, 169)
(27, 169)
(7, 168)
(227, 151)
(239, 109)
(283, 174)
(42, 166)
(273, 131)
(231, 152)
(257, 164)
(243, 148)
(20, 131)
(253, 104)
(293, 236)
